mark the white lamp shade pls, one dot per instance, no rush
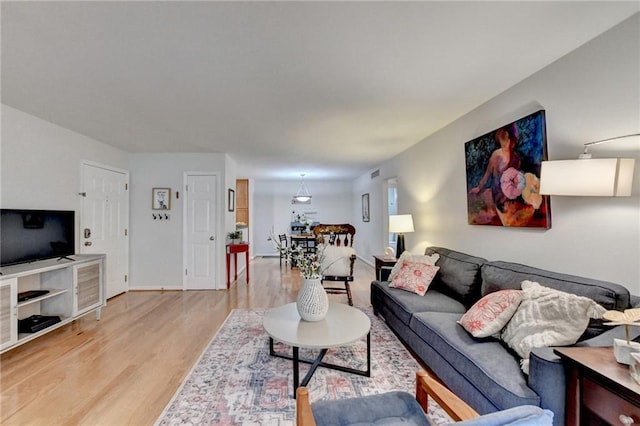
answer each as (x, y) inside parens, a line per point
(587, 177)
(400, 223)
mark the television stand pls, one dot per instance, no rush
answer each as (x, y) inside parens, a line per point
(75, 288)
(65, 258)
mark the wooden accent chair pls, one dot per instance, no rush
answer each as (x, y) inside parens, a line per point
(402, 406)
(338, 242)
(283, 243)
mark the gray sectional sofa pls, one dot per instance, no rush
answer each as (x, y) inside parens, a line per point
(485, 372)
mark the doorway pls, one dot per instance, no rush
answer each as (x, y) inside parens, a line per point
(392, 208)
(104, 221)
(200, 224)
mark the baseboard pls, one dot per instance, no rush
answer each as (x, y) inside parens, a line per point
(154, 288)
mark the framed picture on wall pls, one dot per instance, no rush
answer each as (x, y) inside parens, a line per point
(365, 207)
(503, 175)
(161, 198)
(231, 200)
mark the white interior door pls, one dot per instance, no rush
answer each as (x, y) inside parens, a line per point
(200, 235)
(104, 222)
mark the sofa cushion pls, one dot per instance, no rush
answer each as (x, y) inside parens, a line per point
(500, 275)
(404, 304)
(391, 408)
(485, 363)
(414, 277)
(459, 274)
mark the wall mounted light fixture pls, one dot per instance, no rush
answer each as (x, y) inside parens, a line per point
(588, 176)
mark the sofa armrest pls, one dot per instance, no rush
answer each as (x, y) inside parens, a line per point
(606, 338)
(547, 379)
(547, 376)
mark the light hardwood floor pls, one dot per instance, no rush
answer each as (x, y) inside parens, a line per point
(123, 369)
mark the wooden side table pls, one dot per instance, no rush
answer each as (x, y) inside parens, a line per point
(383, 266)
(235, 249)
(599, 390)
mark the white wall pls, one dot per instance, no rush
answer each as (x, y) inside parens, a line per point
(40, 166)
(156, 259)
(590, 94)
(271, 208)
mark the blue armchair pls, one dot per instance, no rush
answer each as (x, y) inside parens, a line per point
(402, 408)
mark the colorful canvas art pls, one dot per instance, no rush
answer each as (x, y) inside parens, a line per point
(503, 175)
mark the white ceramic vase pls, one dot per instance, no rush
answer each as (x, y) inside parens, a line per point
(312, 301)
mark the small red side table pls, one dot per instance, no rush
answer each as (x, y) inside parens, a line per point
(235, 249)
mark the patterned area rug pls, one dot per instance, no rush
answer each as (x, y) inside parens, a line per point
(237, 382)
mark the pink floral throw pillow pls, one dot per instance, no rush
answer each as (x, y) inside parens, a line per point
(414, 277)
(491, 314)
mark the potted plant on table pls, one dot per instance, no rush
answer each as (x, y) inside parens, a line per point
(234, 237)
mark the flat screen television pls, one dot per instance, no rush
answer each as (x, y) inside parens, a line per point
(31, 235)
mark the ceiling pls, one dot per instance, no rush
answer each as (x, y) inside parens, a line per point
(330, 89)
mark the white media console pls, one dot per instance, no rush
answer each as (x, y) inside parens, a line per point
(76, 287)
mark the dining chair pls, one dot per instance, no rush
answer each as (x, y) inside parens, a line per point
(338, 256)
(283, 244)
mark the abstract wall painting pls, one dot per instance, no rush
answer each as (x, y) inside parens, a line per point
(503, 175)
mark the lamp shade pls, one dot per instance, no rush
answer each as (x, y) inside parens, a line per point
(400, 223)
(587, 177)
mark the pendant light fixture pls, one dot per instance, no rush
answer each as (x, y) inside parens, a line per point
(302, 196)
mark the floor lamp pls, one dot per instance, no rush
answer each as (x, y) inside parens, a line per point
(400, 224)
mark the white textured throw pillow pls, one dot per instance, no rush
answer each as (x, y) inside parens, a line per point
(431, 260)
(336, 260)
(548, 317)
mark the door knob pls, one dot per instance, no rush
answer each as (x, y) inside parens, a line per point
(212, 238)
(87, 243)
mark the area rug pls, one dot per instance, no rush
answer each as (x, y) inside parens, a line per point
(237, 382)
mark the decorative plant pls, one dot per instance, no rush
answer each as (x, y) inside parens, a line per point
(626, 318)
(305, 220)
(234, 235)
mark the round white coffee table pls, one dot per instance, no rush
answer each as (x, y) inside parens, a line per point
(342, 326)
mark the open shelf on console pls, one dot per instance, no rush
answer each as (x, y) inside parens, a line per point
(52, 293)
(23, 337)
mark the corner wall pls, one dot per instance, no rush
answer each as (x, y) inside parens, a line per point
(40, 164)
(590, 94)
